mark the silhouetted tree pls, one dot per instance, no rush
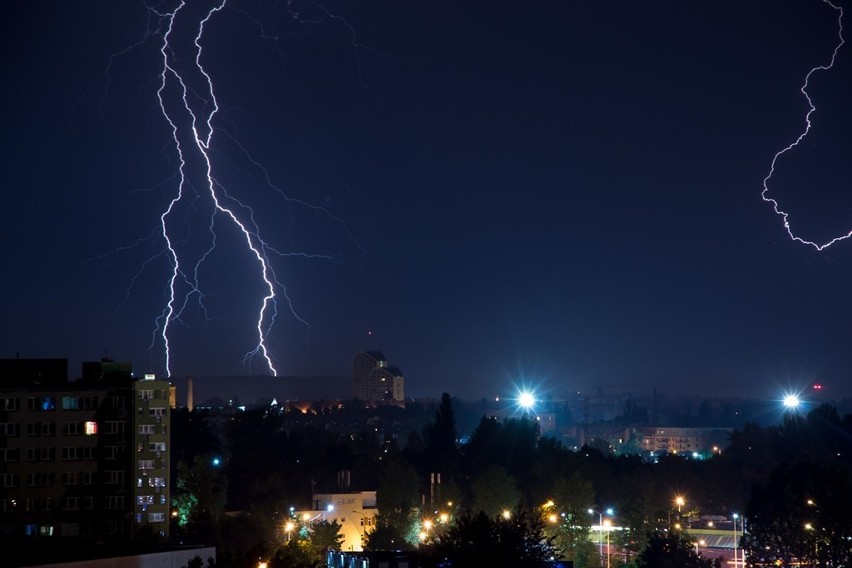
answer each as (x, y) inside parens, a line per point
(494, 490)
(568, 520)
(325, 535)
(802, 515)
(480, 540)
(441, 454)
(672, 549)
(397, 501)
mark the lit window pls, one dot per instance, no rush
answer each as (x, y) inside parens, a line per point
(91, 428)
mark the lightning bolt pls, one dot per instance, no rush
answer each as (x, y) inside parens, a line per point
(785, 216)
(201, 130)
(188, 104)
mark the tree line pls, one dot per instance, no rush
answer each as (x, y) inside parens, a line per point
(524, 493)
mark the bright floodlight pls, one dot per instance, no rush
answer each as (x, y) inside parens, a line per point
(791, 401)
(526, 399)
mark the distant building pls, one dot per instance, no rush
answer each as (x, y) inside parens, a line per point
(85, 458)
(375, 380)
(685, 440)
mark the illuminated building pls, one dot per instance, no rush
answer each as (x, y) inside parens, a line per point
(375, 380)
(355, 512)
(68, 450)
(683, 440)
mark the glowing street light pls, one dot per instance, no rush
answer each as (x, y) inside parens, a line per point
(507, 514)
(609, 512)
(526, 400)
(289, 528)
(680, 502)
(791, 401)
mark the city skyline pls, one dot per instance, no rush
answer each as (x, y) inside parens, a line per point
(563, 197)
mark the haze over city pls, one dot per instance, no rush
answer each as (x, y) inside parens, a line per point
(560, 195)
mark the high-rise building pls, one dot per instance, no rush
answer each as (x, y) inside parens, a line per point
(151, 440)
(375, 380)
(74, 456)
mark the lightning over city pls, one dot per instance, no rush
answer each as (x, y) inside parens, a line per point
(766, 194)
(235, 189)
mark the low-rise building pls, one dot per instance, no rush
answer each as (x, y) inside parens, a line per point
(355, 512)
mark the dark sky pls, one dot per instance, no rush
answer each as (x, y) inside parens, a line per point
(559, 194)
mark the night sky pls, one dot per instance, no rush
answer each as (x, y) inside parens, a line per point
(559, 194)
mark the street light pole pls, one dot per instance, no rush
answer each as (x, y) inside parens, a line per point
(610, 512)
(600, 532)
(736, 516)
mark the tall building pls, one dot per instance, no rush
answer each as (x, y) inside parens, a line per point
(151, 440)
(375, 380)
(74, 456)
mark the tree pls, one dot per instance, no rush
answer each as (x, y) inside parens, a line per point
(672, 549)
(441, 454)
(397, 501)
(494, 491)
(295, 554)
(325, 535)
(568, 520)
(480, 540)
(386, 537)
(200, 497)
(802, 515)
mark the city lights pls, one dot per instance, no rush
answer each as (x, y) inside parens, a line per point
(526, 399)
(791, 401)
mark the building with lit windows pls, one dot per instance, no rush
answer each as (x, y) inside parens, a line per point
(70, 453)
(355, 512)
(151, 403)
(675, 440)
(375, 380)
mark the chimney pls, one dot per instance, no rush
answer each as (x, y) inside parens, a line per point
(189, 404)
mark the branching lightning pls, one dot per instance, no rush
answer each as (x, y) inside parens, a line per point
(188, 103)
(785, 216)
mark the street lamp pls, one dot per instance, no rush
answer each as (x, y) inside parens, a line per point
(289, 528)
(680, 502)
(736, 516)
(608, 524)
(609, 512)
(791, 401)
(600, 532)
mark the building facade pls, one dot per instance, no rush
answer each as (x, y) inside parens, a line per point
(68, 464)
(675, 440)
(355, 512)
(375, 380)
(151, 440)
